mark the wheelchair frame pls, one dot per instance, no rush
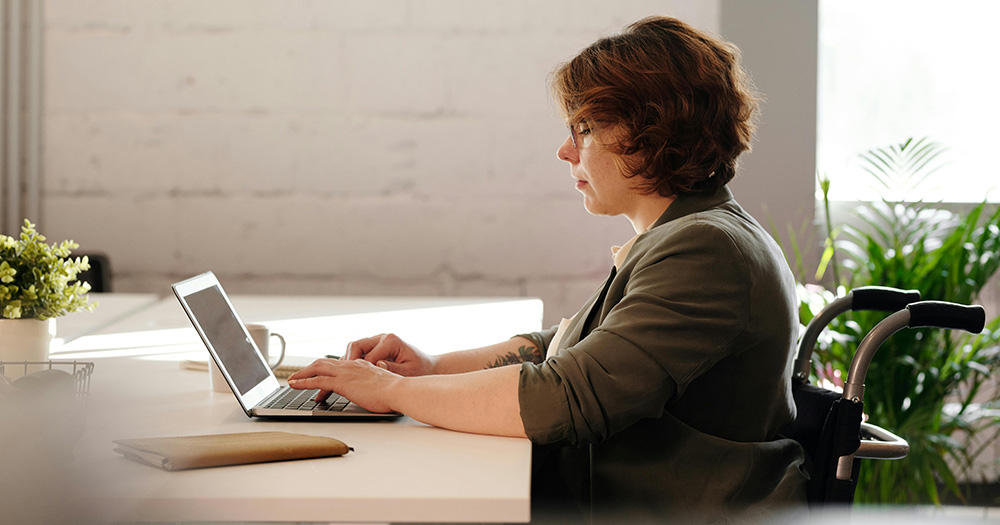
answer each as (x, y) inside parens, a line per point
(836, 445)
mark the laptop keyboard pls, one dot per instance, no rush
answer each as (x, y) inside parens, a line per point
(291, 399)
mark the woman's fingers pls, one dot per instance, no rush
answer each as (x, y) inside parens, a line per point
(313, 376)
(322, 395)
(386, 349)
(360, 348)
(315, 382)
(311, 370)
(357, 380)
(310, 383)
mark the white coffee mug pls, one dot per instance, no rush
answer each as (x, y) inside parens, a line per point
(261, 335)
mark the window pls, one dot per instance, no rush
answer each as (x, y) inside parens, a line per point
(894, 69)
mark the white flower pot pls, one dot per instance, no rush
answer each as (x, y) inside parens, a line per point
(25, 340)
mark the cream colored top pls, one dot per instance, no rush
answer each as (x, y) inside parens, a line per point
(618, 254)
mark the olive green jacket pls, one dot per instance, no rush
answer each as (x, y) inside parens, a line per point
(669, 387)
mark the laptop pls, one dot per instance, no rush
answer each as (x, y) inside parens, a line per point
(251, 380)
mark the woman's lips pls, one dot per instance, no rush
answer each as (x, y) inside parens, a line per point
(580, 184)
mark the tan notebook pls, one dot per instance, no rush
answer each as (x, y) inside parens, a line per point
(187, 452)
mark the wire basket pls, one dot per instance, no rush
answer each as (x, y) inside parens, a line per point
(80, 370)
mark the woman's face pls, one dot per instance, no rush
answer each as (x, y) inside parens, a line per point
(605, 189)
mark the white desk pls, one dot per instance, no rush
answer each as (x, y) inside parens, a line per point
(315, 326)
(400, 471)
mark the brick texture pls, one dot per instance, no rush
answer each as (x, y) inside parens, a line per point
(305, 146)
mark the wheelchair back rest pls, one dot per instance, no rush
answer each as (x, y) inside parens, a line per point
(827, 427)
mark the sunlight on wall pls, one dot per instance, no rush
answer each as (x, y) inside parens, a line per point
(434, 330)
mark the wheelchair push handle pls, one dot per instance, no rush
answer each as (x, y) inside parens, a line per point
(883, 298)
(934, 314)
(923, 314)
(940, 314)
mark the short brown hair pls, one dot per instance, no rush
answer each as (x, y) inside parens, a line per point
(685, 107)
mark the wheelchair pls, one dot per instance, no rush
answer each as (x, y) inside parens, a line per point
(829, 424)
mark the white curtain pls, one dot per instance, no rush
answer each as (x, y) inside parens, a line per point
(20, 112)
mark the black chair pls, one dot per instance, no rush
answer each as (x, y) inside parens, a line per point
(829, 424)
(99, 274)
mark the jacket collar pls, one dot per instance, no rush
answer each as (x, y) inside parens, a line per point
(693, 203)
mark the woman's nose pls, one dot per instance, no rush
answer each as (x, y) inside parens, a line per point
(566, 151)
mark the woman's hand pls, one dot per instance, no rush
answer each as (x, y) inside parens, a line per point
(390, 352)
(483, 401)
(363, 383)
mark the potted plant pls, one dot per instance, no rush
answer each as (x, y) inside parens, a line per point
(37, 284)
(927, 385)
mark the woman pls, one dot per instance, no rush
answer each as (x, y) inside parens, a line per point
(666, 391)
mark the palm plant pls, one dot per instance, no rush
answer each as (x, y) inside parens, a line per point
(926, 384)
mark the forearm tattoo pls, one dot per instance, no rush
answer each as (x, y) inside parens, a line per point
(524, 354)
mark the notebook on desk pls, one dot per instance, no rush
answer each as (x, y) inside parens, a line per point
(251, 380)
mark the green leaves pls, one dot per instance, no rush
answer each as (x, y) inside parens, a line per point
(7, 273)
(12, 310)
(922, 383)
(38, 281)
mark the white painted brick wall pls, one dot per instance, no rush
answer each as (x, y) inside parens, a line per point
(399, 147)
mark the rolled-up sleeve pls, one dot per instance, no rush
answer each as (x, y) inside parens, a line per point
(680, 312)
(583, 398)
(541, 339)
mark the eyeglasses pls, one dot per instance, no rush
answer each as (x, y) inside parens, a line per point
(574, 135)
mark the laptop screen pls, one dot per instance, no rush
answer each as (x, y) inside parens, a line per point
(227, 338)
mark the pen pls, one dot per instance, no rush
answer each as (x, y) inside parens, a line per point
(331, 356)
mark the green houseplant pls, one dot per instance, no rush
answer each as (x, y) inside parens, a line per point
(37, 284)
(926, 385)
(38, 281)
